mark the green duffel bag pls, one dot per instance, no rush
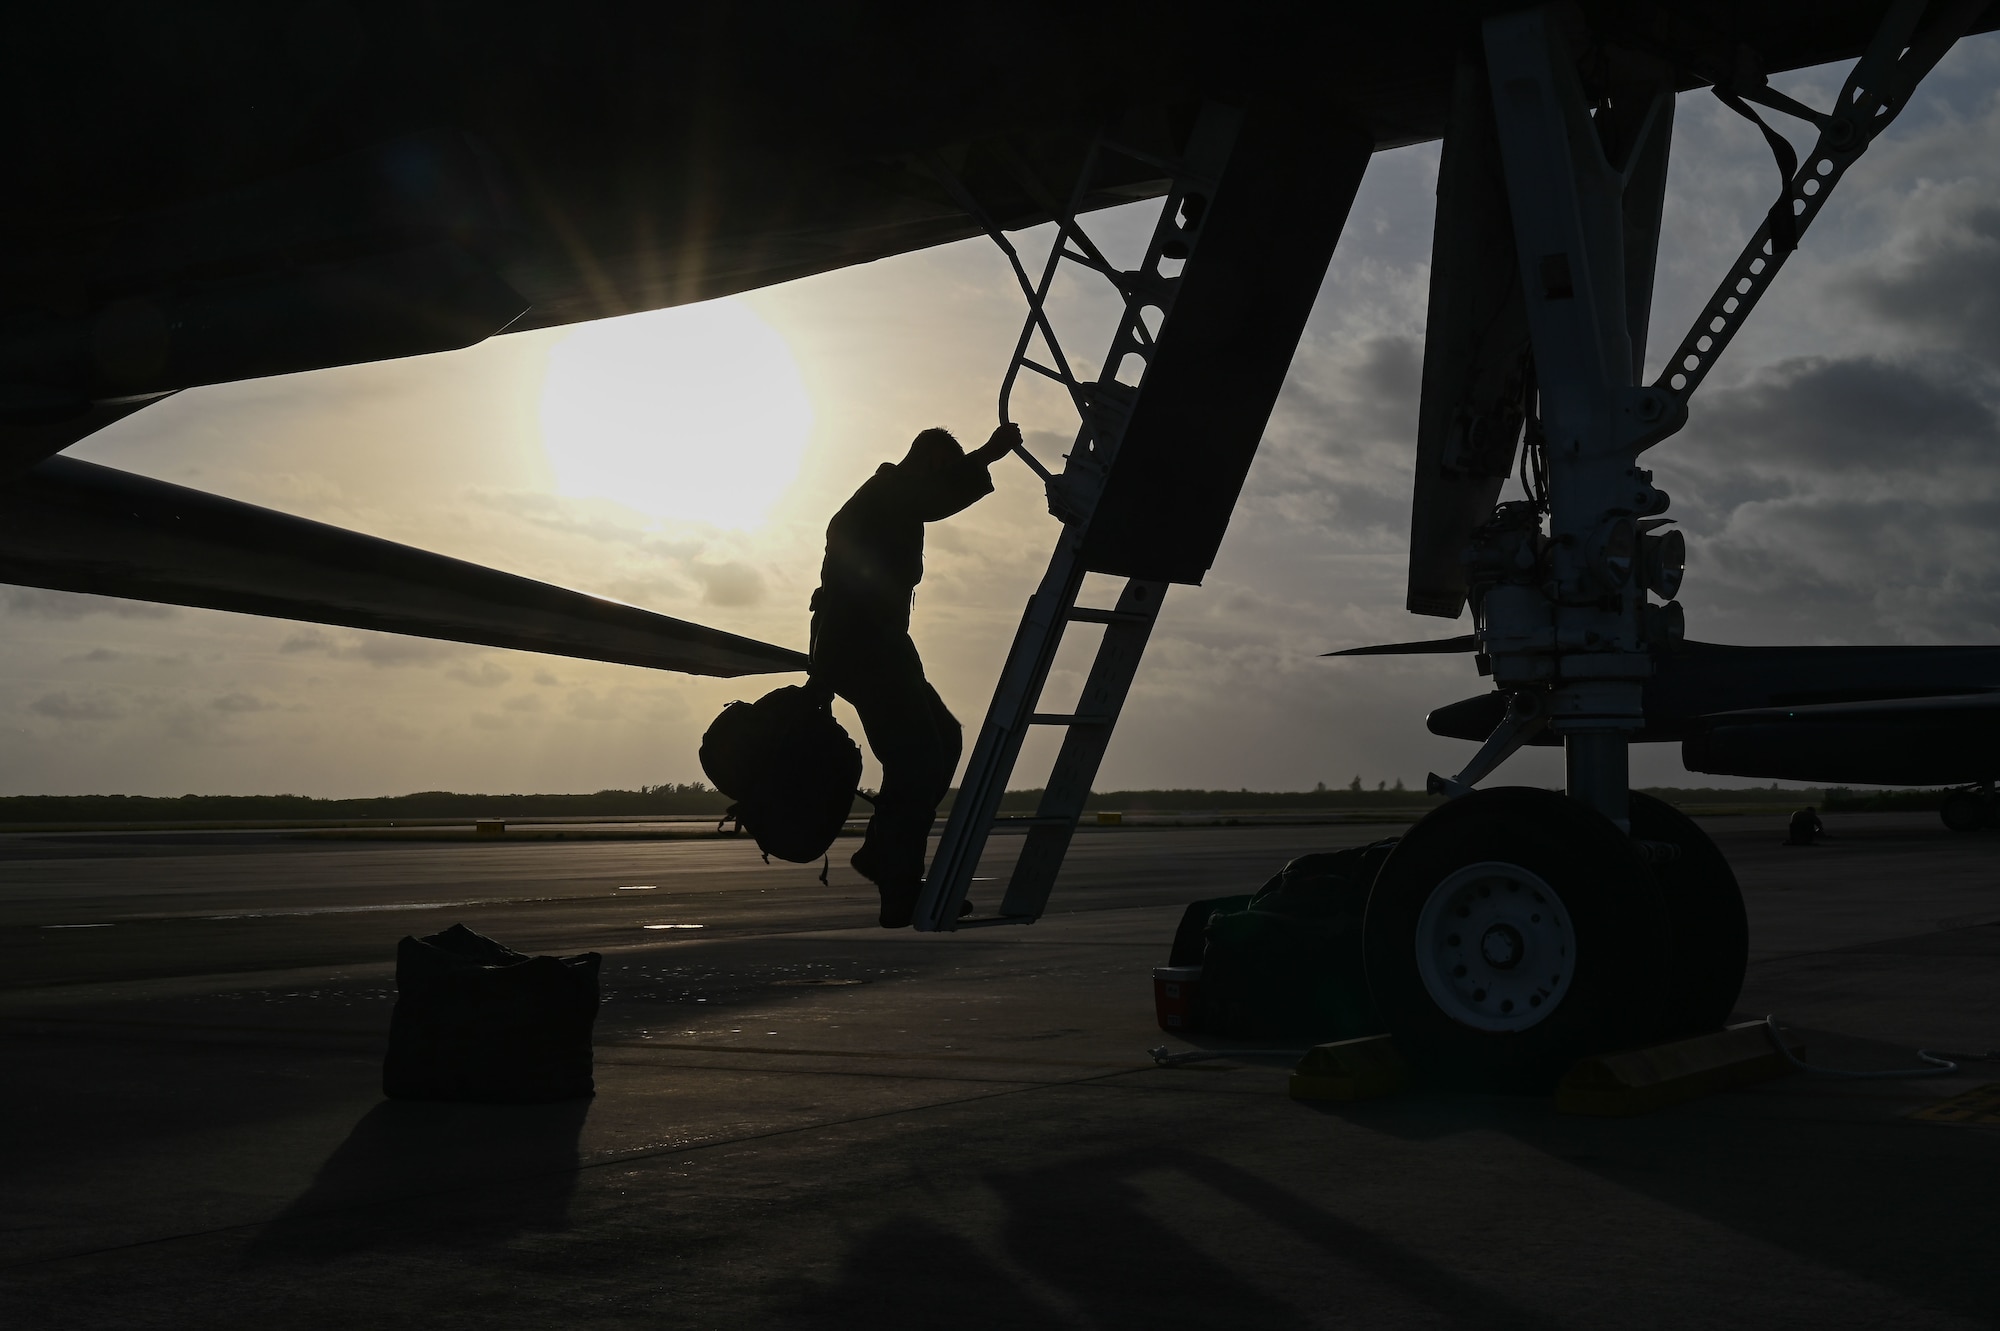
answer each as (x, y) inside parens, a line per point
(1289, 963)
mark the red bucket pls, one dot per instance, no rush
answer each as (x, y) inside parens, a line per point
(1175, 989)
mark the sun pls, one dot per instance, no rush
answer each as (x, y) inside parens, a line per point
(693, 414)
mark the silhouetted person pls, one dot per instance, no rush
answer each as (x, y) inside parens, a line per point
(1805, 827)
(861, 646)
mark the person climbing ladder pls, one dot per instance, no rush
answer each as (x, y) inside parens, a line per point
(861, 647)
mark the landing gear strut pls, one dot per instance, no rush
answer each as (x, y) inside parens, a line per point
(1513, 930)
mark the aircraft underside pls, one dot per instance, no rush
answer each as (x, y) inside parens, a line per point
(1512, 929)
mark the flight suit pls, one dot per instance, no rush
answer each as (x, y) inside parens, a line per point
(861, 649)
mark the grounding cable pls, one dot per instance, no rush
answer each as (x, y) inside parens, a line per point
(1940, 1065)
(1942, 1062)
(1167, 1060)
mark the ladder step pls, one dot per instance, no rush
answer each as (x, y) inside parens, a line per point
(1086, 615)
(1066, 719)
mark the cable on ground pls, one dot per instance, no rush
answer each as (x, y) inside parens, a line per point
(1940, 1065)
(1943, 1062)
(1171, 1060)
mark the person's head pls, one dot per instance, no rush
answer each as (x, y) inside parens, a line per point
(933, 448)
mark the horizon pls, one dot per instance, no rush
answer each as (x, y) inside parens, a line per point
(703, 788)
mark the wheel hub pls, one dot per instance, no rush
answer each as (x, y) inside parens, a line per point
(1495, 947)
(1502, 946)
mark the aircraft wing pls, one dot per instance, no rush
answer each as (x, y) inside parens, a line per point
(1941, 741)
(1465, 642)
(75, 526)
(1858, 715)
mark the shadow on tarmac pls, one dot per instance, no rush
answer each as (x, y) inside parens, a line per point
(1085, 1240)
(405, 1157)
(1901, 1206)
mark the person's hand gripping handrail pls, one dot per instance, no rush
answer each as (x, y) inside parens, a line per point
(1004, 440)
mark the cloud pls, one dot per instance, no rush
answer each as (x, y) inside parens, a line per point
(1945, 284)
(646, 591)
(393, 649)
(485, 675)
(1382, 382)
(587, 705)
(1855, 412)
(75, 707)
(1336, 461)
(598, 521)
(1843, 498)
(377, 649)
(238, 704)
(728, 584)
(311, 640)
(41, 603)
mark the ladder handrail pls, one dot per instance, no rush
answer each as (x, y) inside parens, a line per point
(1036, 293)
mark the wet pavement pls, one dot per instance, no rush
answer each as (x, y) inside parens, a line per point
(805, 1121)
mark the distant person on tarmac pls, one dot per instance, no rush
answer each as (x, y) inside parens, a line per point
(861, 646)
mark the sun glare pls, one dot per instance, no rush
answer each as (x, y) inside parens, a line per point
(696, 413)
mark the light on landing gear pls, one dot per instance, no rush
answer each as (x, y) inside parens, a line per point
(1663, 562)
(1664, 623)
(1494, 947)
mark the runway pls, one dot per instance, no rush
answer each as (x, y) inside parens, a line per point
(805, 1121)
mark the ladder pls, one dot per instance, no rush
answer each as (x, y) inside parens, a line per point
(1103, 407)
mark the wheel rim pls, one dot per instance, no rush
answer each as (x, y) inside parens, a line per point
(1495, 947)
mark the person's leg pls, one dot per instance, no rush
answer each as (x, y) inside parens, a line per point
(880, 675)
(904, 735)
(951, 741)
(918, 743)
(919, 748)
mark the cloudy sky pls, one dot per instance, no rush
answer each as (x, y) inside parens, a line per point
(1839, 482)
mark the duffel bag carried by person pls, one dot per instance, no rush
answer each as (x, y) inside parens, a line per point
(789, 765)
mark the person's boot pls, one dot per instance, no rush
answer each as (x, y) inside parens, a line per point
(863, 862)
(899, 905)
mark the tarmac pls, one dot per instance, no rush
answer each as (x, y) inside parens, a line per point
(804, 1121)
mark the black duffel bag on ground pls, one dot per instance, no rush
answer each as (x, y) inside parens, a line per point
(478, 1021)
(791, 768)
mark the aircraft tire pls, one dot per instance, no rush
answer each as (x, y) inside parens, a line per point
(1572, 955)
(1705, 908)
(1966, 811)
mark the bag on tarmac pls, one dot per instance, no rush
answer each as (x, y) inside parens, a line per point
(1288, 962)
(789, 765)
(476, 1020)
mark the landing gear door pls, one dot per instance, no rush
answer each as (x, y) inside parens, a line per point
(1476, 363)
